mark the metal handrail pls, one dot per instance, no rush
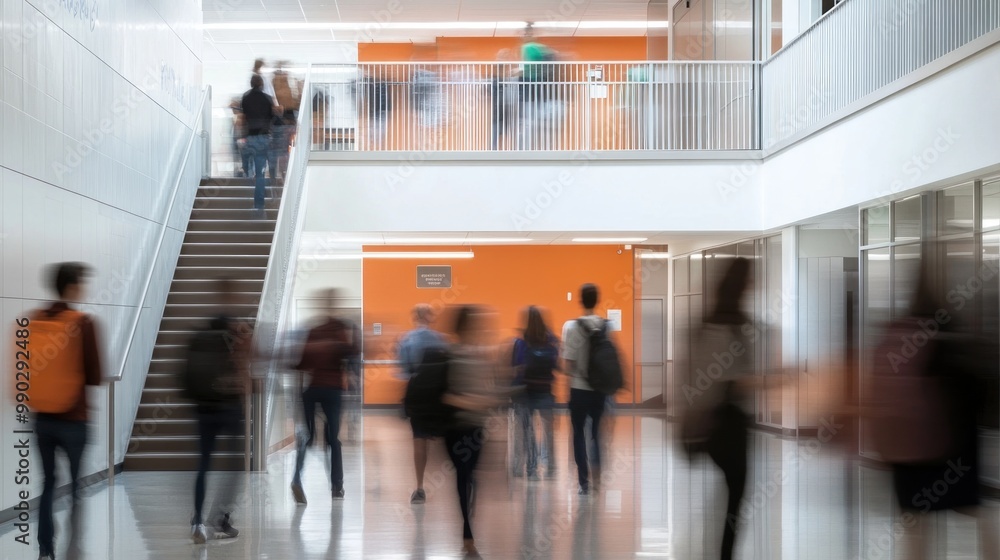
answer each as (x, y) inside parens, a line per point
(279, 277)
(197, 127)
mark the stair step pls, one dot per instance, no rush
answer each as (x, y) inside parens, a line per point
(216, 225)
(234, 249)
(223, 260)
(170, 351)
(192, 324)
(166, 427)
(181, 462)
(151, 395)
(195, 310)
(162, 380)
(212, 202)
(177, 409)
(215, 272)
(174, 445)
(212, 298)
(231, 215)
(226, 237)
(199, 285)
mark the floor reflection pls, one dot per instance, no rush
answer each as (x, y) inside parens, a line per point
(804, 501)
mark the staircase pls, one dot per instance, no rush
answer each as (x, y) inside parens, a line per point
(222, 240)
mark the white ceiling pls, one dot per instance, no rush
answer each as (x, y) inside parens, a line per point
(326, 45)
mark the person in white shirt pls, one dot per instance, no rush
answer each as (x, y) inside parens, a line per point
(584, 401)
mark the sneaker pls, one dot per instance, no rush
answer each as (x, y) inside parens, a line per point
(46, 555)
(298, 493)
(199, 534)
(418, 496)
(259, 214)
(533, 477)
(584, 490)
(338, 493)
(225, 529)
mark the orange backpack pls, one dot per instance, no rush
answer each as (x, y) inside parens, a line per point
(55, 360)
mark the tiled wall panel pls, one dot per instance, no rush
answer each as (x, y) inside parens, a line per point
(97, 102)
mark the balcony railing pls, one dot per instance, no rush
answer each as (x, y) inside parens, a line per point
(564, 106)
(858, 48)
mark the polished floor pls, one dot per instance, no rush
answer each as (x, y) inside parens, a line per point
(803, 502)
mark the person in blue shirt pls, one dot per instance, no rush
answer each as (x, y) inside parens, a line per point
(410, 352)
(535, 359)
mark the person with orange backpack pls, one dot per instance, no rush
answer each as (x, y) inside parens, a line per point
(61, 350)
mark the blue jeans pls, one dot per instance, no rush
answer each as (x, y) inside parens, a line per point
(329, 399)
(584, 404)
(259, 146)
(528, 404)
(53, 433)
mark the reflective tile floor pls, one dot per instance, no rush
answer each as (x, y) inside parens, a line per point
(803, 502)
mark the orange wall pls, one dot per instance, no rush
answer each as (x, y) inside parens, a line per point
(507, 279)
(482, 49)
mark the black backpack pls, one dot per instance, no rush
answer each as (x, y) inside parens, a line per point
(208, 373)
(425, 391)
(539, 363)
(604, 369)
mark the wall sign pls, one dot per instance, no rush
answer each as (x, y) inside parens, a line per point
(433, 276)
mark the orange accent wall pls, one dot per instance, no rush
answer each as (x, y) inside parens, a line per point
(485, 49)
(505, 278)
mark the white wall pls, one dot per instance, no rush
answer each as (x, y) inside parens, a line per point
(574, 195)
(94, 111)
(939, 130)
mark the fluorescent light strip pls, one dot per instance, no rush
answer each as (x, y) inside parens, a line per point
(609, 239)
(392, 255)
(654, 255)
(427, 25)
(452, 240)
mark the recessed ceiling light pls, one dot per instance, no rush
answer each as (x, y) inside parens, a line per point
(429, 255)
(431, 25)
(654, 255)
(453, 240)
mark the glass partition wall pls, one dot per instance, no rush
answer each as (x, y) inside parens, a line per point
(696, 279)
(964, 222)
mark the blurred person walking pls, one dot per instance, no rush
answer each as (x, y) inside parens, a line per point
(328, 346)
(258, 110)
(216, 377)
(287, 94)
(590, 361)
(535, 359)
(716, 422)
(258, 70)
(58, 391)
(503, 100)
(240, 139)
(927, 392)
(471, 392)
(410, 354)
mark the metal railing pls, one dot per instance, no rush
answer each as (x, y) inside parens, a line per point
(857, 48)
(190, 166)
(564, 106)
(276, 295)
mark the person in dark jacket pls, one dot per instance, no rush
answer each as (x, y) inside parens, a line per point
(259, 112)
(327, 347)
(535, 359)
(934, 455)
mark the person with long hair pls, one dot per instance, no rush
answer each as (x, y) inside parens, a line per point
(472, 392)
(728, 423)
(535, 359)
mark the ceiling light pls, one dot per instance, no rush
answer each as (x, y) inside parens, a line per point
(453, 240)
(608, 239)
(391, 255)
(654, 255)
(432, 25)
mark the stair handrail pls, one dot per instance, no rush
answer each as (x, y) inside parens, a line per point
(197, 129)
(279, 278)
